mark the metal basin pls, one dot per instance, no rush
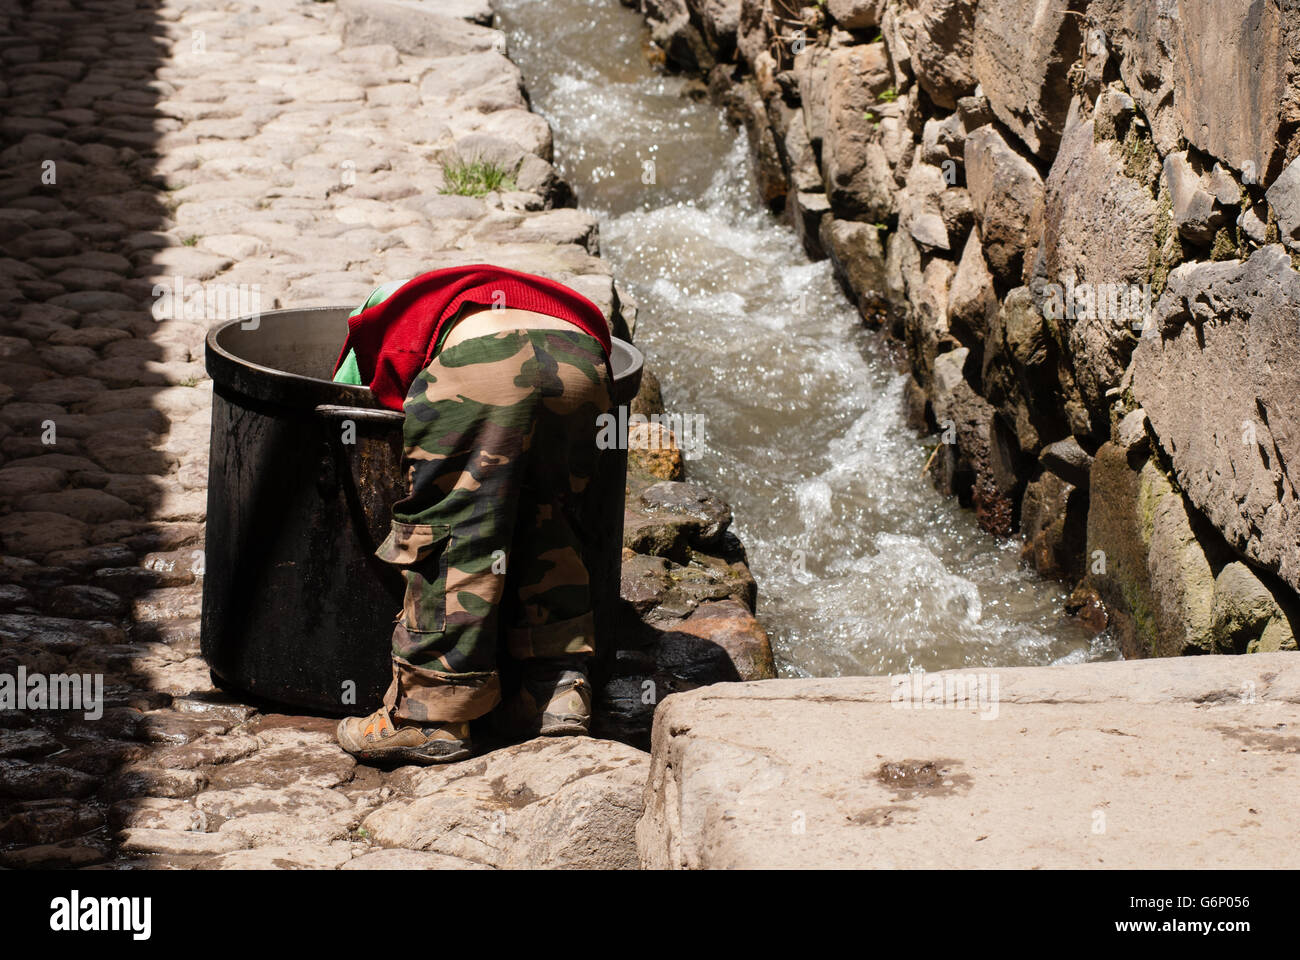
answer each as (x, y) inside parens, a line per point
(296, 608)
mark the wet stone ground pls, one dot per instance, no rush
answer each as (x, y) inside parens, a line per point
(231, 144)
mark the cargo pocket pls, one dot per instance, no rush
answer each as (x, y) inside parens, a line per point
(420, 549)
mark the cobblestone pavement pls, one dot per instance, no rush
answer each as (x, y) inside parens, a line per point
(227, 144)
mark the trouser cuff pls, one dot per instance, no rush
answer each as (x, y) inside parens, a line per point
(420, 695)
(558, 639)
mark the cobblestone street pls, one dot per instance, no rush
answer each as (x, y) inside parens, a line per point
(241, 148)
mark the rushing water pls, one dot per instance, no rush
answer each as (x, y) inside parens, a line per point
(863, 568)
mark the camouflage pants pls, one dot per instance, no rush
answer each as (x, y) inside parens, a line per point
(500, 449)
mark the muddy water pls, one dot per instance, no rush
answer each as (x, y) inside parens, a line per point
(863, 568)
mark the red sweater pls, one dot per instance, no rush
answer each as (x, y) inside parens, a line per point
(395, 339)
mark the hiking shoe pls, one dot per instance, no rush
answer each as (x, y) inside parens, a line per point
(375, 739)
(554, 699)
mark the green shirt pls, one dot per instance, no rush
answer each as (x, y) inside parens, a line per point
(348, 371)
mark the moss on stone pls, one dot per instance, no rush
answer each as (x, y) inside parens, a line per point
(1139, 152)
(1272, 232)
(1103, 128)
(1277, 636)
(1166, 248)
(1225, 245)
(1138, 607)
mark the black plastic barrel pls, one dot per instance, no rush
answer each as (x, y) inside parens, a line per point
(296, 607)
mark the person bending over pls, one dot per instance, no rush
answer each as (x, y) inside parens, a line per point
(501, 377)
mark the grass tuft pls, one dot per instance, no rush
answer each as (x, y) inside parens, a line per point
(475, 177)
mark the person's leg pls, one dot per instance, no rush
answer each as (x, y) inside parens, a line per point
(553, 631)
(469, 424)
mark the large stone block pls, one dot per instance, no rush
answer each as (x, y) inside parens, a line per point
(1145, 559)
(1284, 198)
(855, 251)
(563, 802)
(1098, 237)
(1248, 617)
(1141, 36)
(859, 181)
(978, 459)
(972, 300)
(856, 14)
(1237, 79)
(939, 34)
(418, 27)
(1221, 385)
(1223, 74)
(1007, 194)
(1053, 523)
(720, 20)
(1002, 769)
(1023, 375)
(1023, 50)
(752, 29)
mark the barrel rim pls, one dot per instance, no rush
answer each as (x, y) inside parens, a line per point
(635, 356)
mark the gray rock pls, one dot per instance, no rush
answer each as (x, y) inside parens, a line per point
(807, 209)
(425, 29)
(184, 842)
(1099, 225)
(1247, 616)
(1233, 78)
(856, 14)
(561, 802)
(504, 153)
(854, 249)
(1222, 182)
(1254, 223)
(1146, 561)
(1067, 460)
(1194, 207)
(1114, 113)
(710, 517)
(1053, 523)
(1227, 332)
(1142, 37)
(1022, 375)
(1007, 194)
(979, 453)
(972, 300)
(859, 180)
(1131, 432)
(775, 774)
(900, 54)
(920, 213)
(1284, 197)
(943, 140)
(394, 859)
(721, 22)
(939, 34)
(1022, 53)
(301, 857)
(671, 29)
(751, 31)
(974, 112)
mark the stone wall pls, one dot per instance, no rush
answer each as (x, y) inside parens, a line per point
(1082, 217)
